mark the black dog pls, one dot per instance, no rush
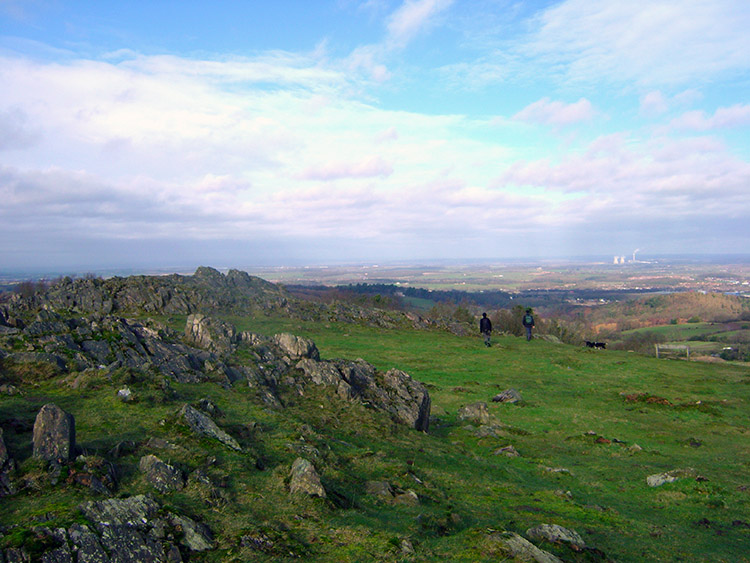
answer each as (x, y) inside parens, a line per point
(600, 345)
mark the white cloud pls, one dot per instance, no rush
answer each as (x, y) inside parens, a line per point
(737, 115)
(658, 42)
(548, 112)
(411, 18)
(654, 103)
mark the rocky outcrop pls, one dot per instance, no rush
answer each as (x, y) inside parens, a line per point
(135, 529)
(206, 290)
(395, 392)
(54, 434)
(304, 479)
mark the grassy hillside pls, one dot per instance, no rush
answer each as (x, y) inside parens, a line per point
(593, 426)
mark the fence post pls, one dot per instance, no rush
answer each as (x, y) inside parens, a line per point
(657, 350)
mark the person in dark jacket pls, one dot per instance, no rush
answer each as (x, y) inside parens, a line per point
(485, 328)
(528, 323)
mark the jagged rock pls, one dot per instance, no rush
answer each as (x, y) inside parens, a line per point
(395, 392)
(296, 347)
(133, 512)
(206, 290)
(406, 399)
(203, 424)
(16, 555)
(523, 550)
(508, 396)
(211, 334)
(99, 349)
(54, 434)
(60, 554)
(57, 362)
(87, 544)
(476, 413)
(164, 477)
(556, 534)
(326, 373)
(304, 479)
(195, 536)
(132, 531)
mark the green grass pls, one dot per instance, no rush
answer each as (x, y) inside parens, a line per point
(572, 397)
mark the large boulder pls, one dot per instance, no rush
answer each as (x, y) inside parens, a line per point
(54, 434)
(407, 400)
(296, 347)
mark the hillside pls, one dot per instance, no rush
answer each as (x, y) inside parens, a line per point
(218, 419)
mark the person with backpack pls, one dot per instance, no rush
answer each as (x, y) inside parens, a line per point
(485, 328)
(528, 323)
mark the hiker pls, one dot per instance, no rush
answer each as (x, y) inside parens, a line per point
(528, 322)
(485, 328)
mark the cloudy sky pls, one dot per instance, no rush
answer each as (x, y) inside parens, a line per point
(177, 133)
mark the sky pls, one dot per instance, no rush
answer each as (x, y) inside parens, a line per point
(240, 134)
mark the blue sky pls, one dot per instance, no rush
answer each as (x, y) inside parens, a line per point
(146, 134)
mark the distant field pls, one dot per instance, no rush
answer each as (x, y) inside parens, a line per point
(517, 277)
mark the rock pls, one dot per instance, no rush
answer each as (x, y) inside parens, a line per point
(16, 555)
(4, 456)
(523, 550)
(87, 544)
(164, 477)
(476, 413)
(326, 373)
(296, 347)
(660, 479)
(395, 392)
(132, 531)
(125, 395)
(195, 536)
(508, 396)
(556, 534)
(507, 451)
(211, 334)
(54, 434)
(407, 498)
(304, 479)
(379, 488)
(407, 400)
(203, 424)
(407, 548)
(132, 512)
